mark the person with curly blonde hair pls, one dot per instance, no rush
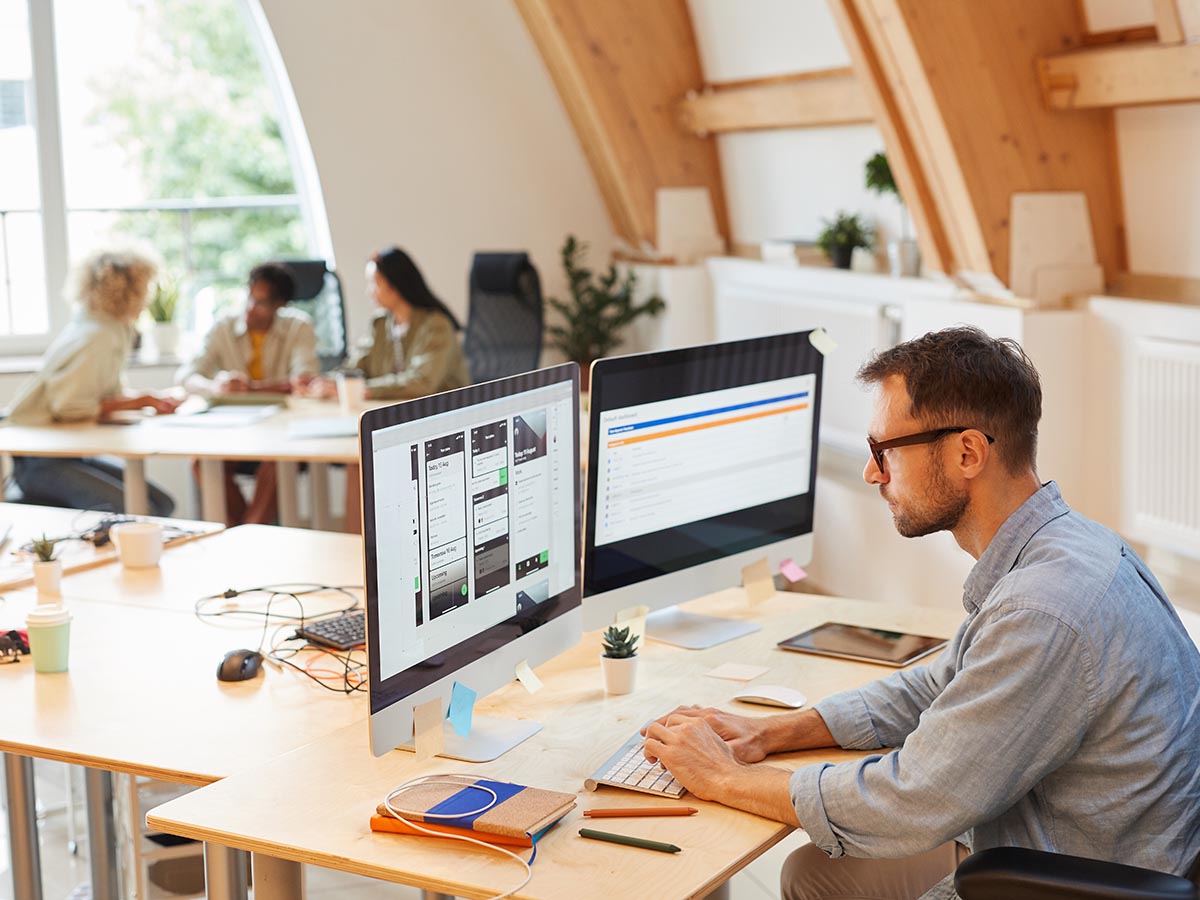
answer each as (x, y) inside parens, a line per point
(80, 380)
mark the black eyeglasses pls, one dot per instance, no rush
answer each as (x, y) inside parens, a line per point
(921, 437)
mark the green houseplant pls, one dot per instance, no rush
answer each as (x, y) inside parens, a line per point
(840, 236)
(47, 568)
(599, 310)
(904, 256)
(619, 659)
(163, 304)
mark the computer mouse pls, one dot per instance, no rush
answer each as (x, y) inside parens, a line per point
(773, 695)
(239, 665)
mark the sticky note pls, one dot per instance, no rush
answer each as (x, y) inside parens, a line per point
(820, 339)
(528, 677)
(428, 736)
(791, 571)
(462, 704)
(635, 619)
(757, 580)
(737, 672)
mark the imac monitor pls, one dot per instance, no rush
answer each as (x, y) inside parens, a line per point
(701, 461)
(471, 533)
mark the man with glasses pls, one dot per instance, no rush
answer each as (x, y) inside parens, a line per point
(1063, 715)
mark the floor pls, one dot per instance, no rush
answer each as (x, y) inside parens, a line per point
(65, 876)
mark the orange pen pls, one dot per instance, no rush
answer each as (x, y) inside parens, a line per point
(641, 811)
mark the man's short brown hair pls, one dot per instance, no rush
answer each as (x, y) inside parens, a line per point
(961, 377)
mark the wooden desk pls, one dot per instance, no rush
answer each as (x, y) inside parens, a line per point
(142, 697)
(278, 811)
(29, 522)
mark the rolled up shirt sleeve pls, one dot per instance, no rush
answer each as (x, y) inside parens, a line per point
(1013, 713)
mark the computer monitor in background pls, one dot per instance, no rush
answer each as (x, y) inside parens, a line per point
(701, 461)
(471, 532)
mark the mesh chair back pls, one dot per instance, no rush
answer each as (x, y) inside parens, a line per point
(504, 322)
(319, 296)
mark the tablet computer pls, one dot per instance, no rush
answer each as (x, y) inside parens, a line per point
(875, 645)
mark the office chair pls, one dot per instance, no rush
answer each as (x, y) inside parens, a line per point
(1002, 873)
(504, 322)
(319, 296)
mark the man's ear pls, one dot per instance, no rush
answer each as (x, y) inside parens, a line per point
(974, 451)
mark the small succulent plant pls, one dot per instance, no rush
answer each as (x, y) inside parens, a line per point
(43, 547)
(619, 643)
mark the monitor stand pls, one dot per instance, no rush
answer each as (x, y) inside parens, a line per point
(490, 738)
(693, 631)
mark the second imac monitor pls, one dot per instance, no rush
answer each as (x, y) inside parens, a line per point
(701, 461)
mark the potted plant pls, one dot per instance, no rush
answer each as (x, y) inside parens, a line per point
(47, 569)
(904, 255)
(839, 237)
(598, 312)
(619, 660)
(163, 302)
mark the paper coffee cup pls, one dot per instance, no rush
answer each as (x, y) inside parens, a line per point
(139, 544)
(352, 391)
(49, 629)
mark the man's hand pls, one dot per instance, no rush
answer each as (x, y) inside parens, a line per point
(161, 405)
(231, 383)
(744, 735)
(694, 753)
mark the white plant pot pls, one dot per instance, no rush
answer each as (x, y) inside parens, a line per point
(620, 675)
(166, 338)
(904, 257)
(47, 577)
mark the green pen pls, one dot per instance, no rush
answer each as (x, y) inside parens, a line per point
(629, 841)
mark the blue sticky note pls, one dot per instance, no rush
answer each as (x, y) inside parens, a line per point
(462, 704)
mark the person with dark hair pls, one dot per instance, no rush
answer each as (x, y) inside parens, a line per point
(1063, 715)
(268, 348)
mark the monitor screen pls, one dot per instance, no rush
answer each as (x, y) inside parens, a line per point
(698, 454)
(471, 521)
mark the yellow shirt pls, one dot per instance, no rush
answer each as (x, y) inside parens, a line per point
(254, 368)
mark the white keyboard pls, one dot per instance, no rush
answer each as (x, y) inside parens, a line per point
(628, 768)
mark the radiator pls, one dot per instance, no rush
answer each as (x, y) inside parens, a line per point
(1165, 464)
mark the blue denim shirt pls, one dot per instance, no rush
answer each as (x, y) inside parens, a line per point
(1064, 715)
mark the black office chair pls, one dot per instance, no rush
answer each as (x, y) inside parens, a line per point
(504, 323)
(1002, 873)
(319, 296)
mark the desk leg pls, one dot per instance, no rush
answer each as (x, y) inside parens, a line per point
(318, 479)
(212, 490)
(435, 895)
(137, 498)
(277, 879)
(721, 893)
(287, 492)
(22, 827)
(224, 873)
(102, 838)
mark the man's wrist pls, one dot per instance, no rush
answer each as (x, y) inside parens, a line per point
(794, 731)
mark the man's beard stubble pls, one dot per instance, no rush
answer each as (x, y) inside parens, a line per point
(941, 509)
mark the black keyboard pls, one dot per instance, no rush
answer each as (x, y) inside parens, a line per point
(341, 632)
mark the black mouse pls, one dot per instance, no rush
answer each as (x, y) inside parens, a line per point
(239, 665)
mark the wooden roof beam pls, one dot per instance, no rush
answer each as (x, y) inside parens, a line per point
(809, 99)
(1126, 75)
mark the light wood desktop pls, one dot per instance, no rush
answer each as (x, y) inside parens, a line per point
(29, 522)
(312, 805)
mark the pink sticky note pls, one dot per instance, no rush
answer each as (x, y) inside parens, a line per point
(791, 571)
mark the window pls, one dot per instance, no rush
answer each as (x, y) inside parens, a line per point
(166, 129)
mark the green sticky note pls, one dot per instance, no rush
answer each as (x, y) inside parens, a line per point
(545, 556)
(504, 476)
(462, 704)
(464, 590)
(417, 583)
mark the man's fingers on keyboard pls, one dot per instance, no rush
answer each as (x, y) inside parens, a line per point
(692, 710)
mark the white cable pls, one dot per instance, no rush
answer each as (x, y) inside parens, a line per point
(441, 779)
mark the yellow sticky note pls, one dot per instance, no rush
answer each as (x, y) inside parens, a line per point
(428, 736)
(634, 618)
(820, 339)
(757, 580)
(528, 677)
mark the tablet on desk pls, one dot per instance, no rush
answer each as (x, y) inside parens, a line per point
(875, 645)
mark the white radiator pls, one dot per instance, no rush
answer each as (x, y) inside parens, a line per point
(1165, 464)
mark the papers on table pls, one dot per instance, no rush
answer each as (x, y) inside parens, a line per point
(345, 426)
(218, 417)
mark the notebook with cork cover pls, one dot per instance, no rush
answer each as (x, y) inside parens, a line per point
(518, 818)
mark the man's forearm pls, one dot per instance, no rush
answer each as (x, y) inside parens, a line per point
(804, 730)
(759, 789)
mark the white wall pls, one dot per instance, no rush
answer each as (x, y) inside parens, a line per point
(435, 126)
(782, 183)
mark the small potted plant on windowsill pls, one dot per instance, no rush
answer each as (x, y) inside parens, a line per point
(47, 570)
(839, 237)
(619, 660)
(598, 312)
(164, 299)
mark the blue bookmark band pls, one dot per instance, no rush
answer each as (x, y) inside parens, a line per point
(470, 798)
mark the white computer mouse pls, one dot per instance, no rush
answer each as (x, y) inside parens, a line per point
(773, 695)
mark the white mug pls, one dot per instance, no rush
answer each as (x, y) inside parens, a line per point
(139, 544)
